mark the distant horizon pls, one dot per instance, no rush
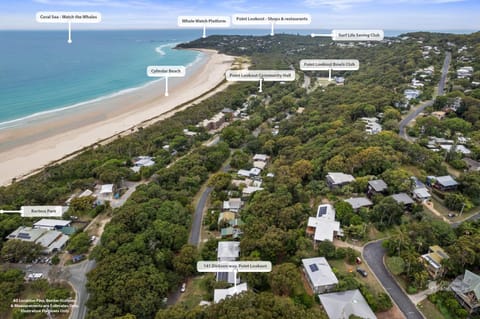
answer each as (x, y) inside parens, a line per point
(266, 29)
(334, 14)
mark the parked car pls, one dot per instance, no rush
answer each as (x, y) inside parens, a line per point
(77, 258)
(184, 286)
(362, 272)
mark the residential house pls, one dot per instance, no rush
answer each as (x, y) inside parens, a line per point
(457, 148)
(214, 123)
(106, 191)
(233, 204)
(421, 194)
(443, 183)
(403, 199)
(228, 251)
(345, 304)
(377, 186)
(260, 157)
(319, 275)
(359, 202)
(433, 261)
(142, 161)
(335, 179)
(221, 294)
(323, 226)
(249, 190)
(260, 165)
(467, 290)
(225, 217)
(411, 94)
(473, 165)
(231, 232)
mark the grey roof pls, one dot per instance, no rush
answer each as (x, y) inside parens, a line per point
(228, 250)
(421, 192)
(378, 185)
(402, 198)
(49, 237)
(469, 282)
(319, 272)
(27, 234)
(336, 178)
(446, 181)
(341, 305)
(358, 202)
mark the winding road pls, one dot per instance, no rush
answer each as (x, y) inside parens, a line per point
(441, 91)
(373, 254)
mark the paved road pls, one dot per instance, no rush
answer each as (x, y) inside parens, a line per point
(78, 279)
(197, 217)
(443, 79)
(373, 254)
(441, 91)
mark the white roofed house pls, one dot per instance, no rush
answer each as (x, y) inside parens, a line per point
(345, 304)
(249, 190)
(106, 191)
(233, 204)
(142, 161)
(260, 157)
(51, 224)
(323, 226)
(221, 294)
(319, 275)
(335, 179)
(228, 251)
(421, 194)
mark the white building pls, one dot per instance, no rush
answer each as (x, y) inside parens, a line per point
(323, 226)
(319, 275)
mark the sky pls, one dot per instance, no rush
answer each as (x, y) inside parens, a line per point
(419, 15)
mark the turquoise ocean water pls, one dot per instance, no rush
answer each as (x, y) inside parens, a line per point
(41, 72)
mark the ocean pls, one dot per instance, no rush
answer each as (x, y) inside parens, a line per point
(40, 72)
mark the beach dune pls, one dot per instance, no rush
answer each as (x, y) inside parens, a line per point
(35, 143)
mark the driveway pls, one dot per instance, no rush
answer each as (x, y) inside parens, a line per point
(373, 254)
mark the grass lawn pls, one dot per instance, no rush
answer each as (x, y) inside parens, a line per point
(429, 310)
(194, 292)
(370, 280)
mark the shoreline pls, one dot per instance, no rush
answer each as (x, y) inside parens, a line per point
(26, 149)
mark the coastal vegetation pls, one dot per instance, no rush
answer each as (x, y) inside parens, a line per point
(143, 254)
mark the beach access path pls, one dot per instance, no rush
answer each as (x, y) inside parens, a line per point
(27, 149)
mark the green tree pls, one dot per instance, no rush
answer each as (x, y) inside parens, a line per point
(284, 279)
(79, 243)
(16, 250)
(240, 159)
(185, 263)
(220, 181)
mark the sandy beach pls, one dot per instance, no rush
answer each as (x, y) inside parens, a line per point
(36, 143)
